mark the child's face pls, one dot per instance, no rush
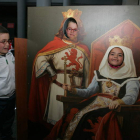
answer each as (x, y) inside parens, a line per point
(115, 57)
(4, 45)
(72, 30)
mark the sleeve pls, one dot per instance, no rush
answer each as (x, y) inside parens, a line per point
(86, 73)
(92, 89)
(42, 66)
(132, 91)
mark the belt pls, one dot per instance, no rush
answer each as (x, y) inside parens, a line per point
(71, 72)
(108, 96)
(103, 95)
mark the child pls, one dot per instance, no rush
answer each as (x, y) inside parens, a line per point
(7, 86)
(114, 84)
(49, 64)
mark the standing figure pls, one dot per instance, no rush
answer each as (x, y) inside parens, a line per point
(48, 69)
(114, 84)
(7, 86)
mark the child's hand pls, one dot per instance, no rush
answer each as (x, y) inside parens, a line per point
(67, 87)
(114, 105)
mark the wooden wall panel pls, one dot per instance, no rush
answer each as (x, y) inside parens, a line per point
(21, 87)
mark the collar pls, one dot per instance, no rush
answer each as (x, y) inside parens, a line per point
(5, 54)
(114, 67)
(119, 82)
(68, 41)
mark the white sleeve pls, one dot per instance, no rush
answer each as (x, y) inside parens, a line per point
(132, 91)
(42, 66)
(92, 89)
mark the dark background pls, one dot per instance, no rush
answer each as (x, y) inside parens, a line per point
(8, 11)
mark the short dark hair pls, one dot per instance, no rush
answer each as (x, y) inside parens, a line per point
(3, 29)
(70, 20)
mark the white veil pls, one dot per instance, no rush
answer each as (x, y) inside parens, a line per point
(126, 71)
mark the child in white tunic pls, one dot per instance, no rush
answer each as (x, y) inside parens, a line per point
(7, 86)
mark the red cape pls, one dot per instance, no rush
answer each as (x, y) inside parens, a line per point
(107, 129)
(39, 87)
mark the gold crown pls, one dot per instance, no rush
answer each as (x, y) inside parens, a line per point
(72, 13)
(125, 41)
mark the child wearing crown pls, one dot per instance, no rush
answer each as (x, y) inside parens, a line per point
(114, 84)
(48, 69)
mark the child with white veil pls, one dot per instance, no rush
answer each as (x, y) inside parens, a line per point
(114, 84)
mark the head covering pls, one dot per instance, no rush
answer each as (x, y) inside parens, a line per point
(125, 71)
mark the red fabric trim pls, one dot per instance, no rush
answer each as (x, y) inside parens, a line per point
(114, 67)
(103, 95)
(109, 128)
(37, 102)
(108, 96)
(53, 45)
(55, 131)
(57, 43)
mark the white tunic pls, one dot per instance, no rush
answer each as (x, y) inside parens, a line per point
(7, 75)
(76, 60)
